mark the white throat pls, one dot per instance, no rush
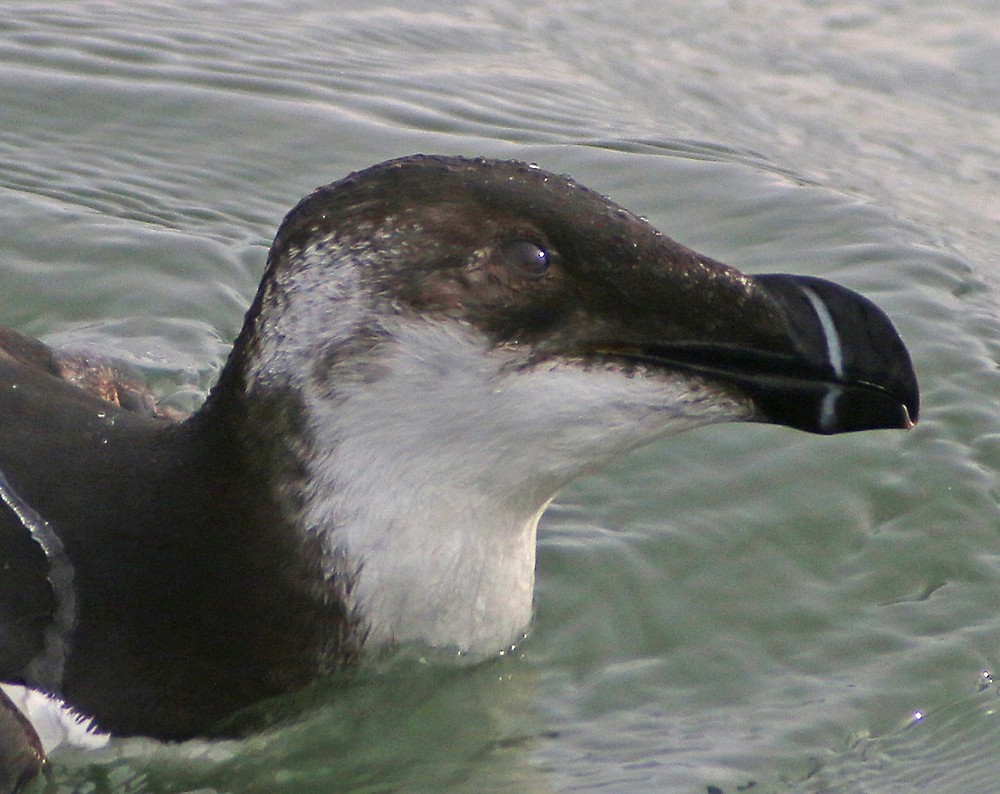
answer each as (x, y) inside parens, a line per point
(431, 465)
(428, 502)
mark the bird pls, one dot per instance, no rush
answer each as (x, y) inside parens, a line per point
(438, 345)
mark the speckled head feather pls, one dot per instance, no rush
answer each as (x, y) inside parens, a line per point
(431, 233)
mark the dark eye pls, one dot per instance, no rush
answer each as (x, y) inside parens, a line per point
(525, 257)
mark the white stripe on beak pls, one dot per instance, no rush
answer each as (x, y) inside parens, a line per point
(828, 409)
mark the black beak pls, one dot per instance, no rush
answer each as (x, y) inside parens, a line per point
(856, 374)
(845, 369)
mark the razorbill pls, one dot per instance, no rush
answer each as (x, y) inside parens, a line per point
(437, 346)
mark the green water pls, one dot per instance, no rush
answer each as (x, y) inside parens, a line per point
(739, 605)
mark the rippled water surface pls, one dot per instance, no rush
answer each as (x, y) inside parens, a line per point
(741, 608)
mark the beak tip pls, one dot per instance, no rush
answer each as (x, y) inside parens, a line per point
(873, 383)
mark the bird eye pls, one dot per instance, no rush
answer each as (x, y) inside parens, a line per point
(525, 257)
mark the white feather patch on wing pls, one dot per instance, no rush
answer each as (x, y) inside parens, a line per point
(55, 723)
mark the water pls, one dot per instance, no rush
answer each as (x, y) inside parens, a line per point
(741, 605)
